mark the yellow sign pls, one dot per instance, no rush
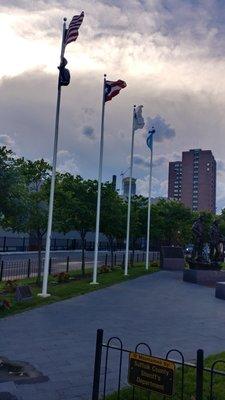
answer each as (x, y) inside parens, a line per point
(151, 373)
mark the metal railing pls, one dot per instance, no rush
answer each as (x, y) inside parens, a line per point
(110, 376)
(28, 268)
(10, 244)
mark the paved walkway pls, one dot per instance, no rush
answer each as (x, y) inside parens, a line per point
(59, 339)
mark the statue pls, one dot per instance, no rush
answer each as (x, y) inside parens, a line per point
(216, 243)
(199, 258)
(198, 233)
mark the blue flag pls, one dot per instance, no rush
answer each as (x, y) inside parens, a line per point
(150, 138)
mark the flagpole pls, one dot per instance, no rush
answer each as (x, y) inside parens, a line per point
(52, 189)
(129, 199)
(95, 268)
(149, 209)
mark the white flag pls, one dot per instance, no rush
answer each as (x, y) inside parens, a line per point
(139, 122)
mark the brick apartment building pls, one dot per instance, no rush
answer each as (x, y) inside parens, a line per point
(193, 180)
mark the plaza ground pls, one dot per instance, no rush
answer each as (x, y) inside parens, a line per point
(59, 339)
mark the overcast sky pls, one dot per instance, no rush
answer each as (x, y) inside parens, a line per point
(171, 53)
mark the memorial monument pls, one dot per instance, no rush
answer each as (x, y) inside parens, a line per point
(200, 259)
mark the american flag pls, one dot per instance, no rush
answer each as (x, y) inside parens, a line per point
(72, 31)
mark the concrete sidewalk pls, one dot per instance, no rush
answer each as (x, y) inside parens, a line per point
(59, 339)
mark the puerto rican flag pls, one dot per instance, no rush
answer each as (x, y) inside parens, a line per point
(112, 88)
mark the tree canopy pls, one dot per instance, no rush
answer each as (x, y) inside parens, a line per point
(24, 197)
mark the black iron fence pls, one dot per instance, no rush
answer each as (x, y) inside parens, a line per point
(11, 244)
(28, 268)
(193, 381)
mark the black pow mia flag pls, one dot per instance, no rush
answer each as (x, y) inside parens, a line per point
(64, 73)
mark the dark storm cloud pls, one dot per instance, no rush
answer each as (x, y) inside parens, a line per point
(159, 161)
(171, 22)
(143, 162)
(88, 131)
(163, 130)
(27, 113)
(33, 5)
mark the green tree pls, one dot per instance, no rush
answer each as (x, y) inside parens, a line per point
(208, 219)
(138, 222)
(76, 205)
(34, 194)
(221, 219)
(10, 186)
(112, 222)
(171, 223)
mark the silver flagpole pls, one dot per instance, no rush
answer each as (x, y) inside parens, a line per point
(95, 268)
(52, 190)
(129, 199)
(149, 208)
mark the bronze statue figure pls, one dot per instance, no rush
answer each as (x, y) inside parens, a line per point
(216, 243)
(198, 239)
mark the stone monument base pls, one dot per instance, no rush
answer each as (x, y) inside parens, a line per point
(220, 290)
(204, 265)
(203, 277)
(172, 258)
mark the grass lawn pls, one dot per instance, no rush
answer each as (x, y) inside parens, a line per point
(69, 289)
(189, 385)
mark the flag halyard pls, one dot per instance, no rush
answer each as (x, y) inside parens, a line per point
(112, 88)
(72, 31)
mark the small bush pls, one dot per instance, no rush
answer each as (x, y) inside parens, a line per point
(62, 277)
(5, 304)
(104, 269)
(10, 286)
(155, 264)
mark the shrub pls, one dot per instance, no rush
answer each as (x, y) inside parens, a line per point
(10, 286)
(155, 264)
(5, 304)
(62, 277)
(104, 269)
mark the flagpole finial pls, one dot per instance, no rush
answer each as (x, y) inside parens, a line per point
(64, 19)
(105, 75)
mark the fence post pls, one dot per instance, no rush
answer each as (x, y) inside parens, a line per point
(4, 244)
(67, 264)
(199, 374)
(123, 261)
(115, 259)
(50, 265)
(137, 257)
(132, 260)
(143, 257)
(28, 269)
(1, 273)
(97, 367)
(106, 259)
